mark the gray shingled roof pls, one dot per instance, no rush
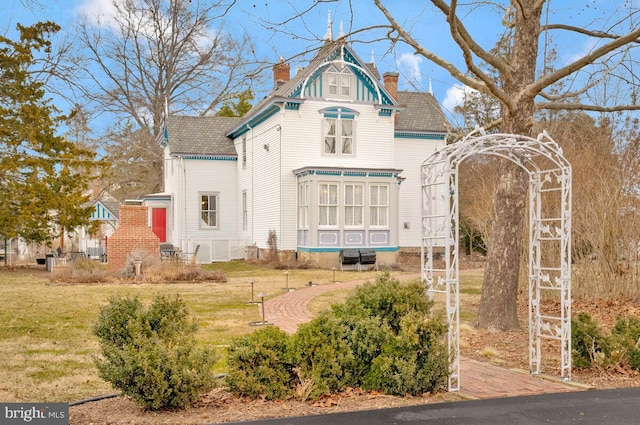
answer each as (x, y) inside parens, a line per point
(422, 113)
(111, 203)
(200, 135)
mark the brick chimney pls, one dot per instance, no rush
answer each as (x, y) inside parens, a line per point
(281, 72)
(133, 233)
(391, 83)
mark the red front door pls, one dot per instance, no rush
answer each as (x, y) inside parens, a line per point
(159, 223)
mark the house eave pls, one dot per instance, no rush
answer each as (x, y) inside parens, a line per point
(344, 171)
(271, 107)
(203, 156)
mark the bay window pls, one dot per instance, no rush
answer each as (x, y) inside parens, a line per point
(353, 204)
(379, 205)
(328, 204)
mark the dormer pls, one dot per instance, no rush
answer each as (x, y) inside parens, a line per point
(339, 82)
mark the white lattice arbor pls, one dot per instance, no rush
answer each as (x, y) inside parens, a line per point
(549, 237)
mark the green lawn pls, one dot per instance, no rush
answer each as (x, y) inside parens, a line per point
(46, 345)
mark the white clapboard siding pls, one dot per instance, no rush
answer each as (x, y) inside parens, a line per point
(410, 153)
(304, 138)
(205, 176)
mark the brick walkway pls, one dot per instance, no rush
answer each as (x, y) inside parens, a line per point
(477, 379)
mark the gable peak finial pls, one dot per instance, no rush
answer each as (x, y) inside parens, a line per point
(341, 34)
(329, 35)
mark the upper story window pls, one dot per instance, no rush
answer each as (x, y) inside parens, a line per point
(338, 136)
(209, 210)
(339, 131)
(340, 81)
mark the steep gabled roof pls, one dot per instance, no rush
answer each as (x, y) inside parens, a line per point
(106, 206)
(188, 135)
(292, 91)
(422, 113)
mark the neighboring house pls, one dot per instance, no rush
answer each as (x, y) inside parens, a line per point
(329, 160)
(106, 210)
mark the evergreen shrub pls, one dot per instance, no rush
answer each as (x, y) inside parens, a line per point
(383, 337)
(589, 346)
(150, 353)
(260, 366)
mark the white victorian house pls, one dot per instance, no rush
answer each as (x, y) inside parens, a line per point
(329, 160)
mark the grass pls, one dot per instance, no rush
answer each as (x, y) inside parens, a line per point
(46, 342)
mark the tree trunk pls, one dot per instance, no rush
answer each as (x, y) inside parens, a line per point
(498, 303)
(498, 307)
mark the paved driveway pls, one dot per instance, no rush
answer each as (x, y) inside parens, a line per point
(596, 407)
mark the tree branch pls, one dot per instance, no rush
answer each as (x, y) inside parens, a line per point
(449, 67)
(547, 80)
(560, 106)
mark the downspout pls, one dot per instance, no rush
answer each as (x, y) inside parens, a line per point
(183, 200)
(281, 182)
(185, 244)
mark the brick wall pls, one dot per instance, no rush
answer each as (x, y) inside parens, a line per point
(133, 233)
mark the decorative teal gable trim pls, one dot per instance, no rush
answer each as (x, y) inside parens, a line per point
(366, 89)
(101, 212)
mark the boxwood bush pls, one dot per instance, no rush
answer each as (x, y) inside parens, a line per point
(260, 365)
(150, 354)
(383, 337)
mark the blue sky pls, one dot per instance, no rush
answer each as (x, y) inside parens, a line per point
(255, 17)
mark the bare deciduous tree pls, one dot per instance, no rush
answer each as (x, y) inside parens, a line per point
(150, 55)
(521, 89)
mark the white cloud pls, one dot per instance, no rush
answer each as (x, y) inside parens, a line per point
(587, 47)
(409, 66)
(97, 11)
(455, 96)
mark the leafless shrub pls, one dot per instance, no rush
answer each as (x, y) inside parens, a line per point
(83, 271)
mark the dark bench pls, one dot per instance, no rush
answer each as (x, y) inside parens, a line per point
(357, 258)
(349, 257)
(368, 257)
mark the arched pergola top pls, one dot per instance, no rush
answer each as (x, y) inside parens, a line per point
(527, 152)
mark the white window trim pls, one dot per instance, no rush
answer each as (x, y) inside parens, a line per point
(378, 206)
(339, 144)
(303, 205)
(345, 78)
(201, 222)
(245, 216)
(329, 206)
(354, 205)
(244, 152)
